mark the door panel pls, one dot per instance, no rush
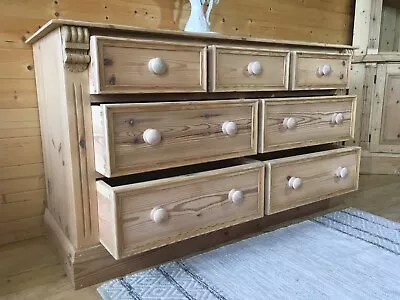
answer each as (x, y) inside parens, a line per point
(385, 125)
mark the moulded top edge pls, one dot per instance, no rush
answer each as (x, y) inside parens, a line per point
(55, 23)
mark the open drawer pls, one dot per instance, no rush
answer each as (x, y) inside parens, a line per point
(301, 179)
(146, 211)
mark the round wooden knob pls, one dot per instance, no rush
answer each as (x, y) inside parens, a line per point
(255, 68)
(337, 118)
(236, 196)
(290, 123)
(152, 136)
(295, 183)
(342, 172)
(157, 66)
(159, 215)
(324, 70)
(229, 128)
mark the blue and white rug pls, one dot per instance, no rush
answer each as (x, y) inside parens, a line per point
(348, 254)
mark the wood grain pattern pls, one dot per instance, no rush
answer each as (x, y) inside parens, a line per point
(385, 128)
(357, 88)
(373, 58)
(374, 26)
(191, 133)
(313, 121)
(274, 19)
(390, 133)
(30, 269)
(19, 122)
(317, 171)
(291, 20)
(361, 25)
(229, 69)
(388, 29)
(20, 150)
(63, 100)
(120, 65)
(196, 204)
(305, 66)
(369, 96)
(21, 229)
(17, 94)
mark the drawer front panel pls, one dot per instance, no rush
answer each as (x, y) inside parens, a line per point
(296, 122)
(242, 69)
(303, 179)
(320, 71)
(139, 217)
(145, 66)
(132, 138)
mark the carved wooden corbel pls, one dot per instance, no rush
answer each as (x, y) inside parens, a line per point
(75, 48)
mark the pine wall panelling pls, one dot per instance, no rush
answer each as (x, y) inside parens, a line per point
(22, 194)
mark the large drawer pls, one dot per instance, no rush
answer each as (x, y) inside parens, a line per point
(248, 69)
(314, 70)
(137, 217)
(122, 65)
(306, 178)
(132, 138)
(296, 122)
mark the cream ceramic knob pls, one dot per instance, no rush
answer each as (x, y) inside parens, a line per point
(236, 196)
(295, 183)
(229, 128)
(324, 70)
(152, 136)
(337, 118)
(159, 215)
(290, 123)
(342, 172)
(254, 68)
(157, 66)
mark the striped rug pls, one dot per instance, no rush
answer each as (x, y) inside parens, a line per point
(348, 254)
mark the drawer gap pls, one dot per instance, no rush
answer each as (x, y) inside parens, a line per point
(295, 152)
(173, 172)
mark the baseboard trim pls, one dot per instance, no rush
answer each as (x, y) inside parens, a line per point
(380, 163)
(94, 264)
(66, 251)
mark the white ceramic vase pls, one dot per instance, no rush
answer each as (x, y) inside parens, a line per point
(198, 21)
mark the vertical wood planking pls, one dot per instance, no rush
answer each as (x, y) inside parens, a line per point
(368, 96)
(362, 20)
(374, 26)
(388, 29)
(396, 46)
(357, 76)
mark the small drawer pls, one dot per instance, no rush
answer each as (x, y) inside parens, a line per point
(122, 65)
(248, 69)
(140, 137)
(319, 71)
(303, 179)
(296, 122)
(137, 217)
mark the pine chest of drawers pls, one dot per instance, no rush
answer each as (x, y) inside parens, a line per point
(159, 143)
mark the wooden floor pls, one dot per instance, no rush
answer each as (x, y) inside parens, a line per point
(30, 269)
